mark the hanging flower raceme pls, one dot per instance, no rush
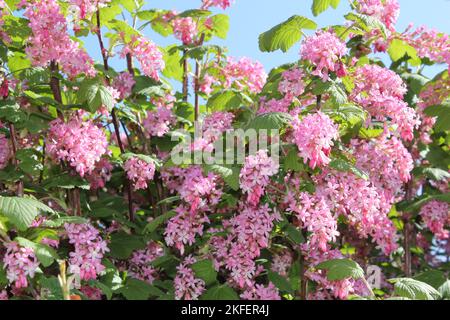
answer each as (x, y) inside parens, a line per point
(325, 51)
(89, 249)
(50, 40)
(100, 175)
(86, 8)
(123, 84)
(147, 54)
(158, 122)
(292, 84)
(255, 175)
(436, 216)
(20, 264)
(387, 11)
(282, 262)
(216, 3)
(139, 172)
(80, 143)
(314, 136)
(185, 29)
(187, 286)
(262, 293)
(5, 151)
(140, 264)
(380, 91)
(244, 73)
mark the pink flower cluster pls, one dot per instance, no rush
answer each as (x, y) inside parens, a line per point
(86, 260)
(19, 263)
(185, 29)
(5, 151)
(147, 53)
(436, 216)
(50, 40)
(216, 3)
(187, 286)
(255, 175)
(123, 84)
(249, 232)
(139, 172)
(380, 91)
(314, 136)
(3, 295)
(244, 73)
(158, 122)
(81, 143)
(324, 50)
(387, 11)
(101, 174)
(282, 262)
(261, 293)
(140, 264)
(216, 124)
(87, 7)
(182, 229)
(292, 84)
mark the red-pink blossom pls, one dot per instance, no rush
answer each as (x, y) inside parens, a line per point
(140, 263)
(20, 264)
(216, 3)
(436, 216)
(187, 285)
(5, 151)
(387, 11)
(185, 29)
(158, 122)
(244, 73)
(139, 172)
(124, 83)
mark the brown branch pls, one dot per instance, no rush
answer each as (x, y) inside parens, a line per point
(185, 76)
(12, 131)
(197, 82)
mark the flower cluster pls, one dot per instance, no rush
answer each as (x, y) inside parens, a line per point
(282, 262)
(262, 293)
(148, 55)
(123, 84)
(50, 41)
(255, 175)
(80, 143)
(387, 11)
(140, 263)
(158, 122)
(324, 50)
(139, 172)
(380, 91)
(5, 152)
(89, 248)
(185, 29)
(436, 216)
(216, 3)
(187, 286)
(20, 263)
(244, 73)
(314, 136)
(292, 84)
(100, 175)
(86, 8)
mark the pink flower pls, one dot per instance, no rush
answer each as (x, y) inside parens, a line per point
(255, 175)
(101, 174)
(282, 262)
(185, 29)
(3, 295)
(158, 122)
(124, 83)
(244, 73)
(50, 40)
(148, 55)
(86, 260)
(92, 293)
(216, 3)
(80, 143)
(139, 172)
(140, 264)
(324, 50)
(5, 151)
(314, 136)
(187, 286)
(387, 11)
(88, 7)
(436, 216)
(20, 263)
(292, 84)
(262, 293)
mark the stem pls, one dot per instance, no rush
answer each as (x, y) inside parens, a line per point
(303, 283)
(185, 76)
(54, 85)
(368, 286)
(100, 40)
(408, 229)
(12, 132)
(197, 82)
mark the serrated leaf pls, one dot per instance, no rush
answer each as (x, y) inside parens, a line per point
(270, 121)
(204, 270)
(320, 6)
(45, 254)
(280, 282)
(345, 166)
(225, 100)
(220, 293)
(340, 269)
(415, 290)
(95, 95)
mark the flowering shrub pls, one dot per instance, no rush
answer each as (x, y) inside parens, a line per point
(292, 183)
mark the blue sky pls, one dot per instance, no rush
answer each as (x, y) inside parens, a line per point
(249, 18)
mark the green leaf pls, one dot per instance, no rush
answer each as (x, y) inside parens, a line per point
(56, 223)
(95, 95)
(66, 181)
(340, 269)
(173, 66)
(221, 25)
(50, 289)
(229, 174)
(220, 293)
(22, 211)
(444, 290)
(138, 290)
(285, 35)
(345, 166)
(158, 221)
(294, 276)
(367, 23)
(280, 282)
(45, 254)
(293, 162)
(434, 278)
(204, 270)
(294, 234)
(225, 100)
(415, 290)
(270, 121)
(122, 245)
(442, 113)
(398, 49)
(320, 6)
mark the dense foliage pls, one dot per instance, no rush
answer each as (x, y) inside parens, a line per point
(341, 193)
